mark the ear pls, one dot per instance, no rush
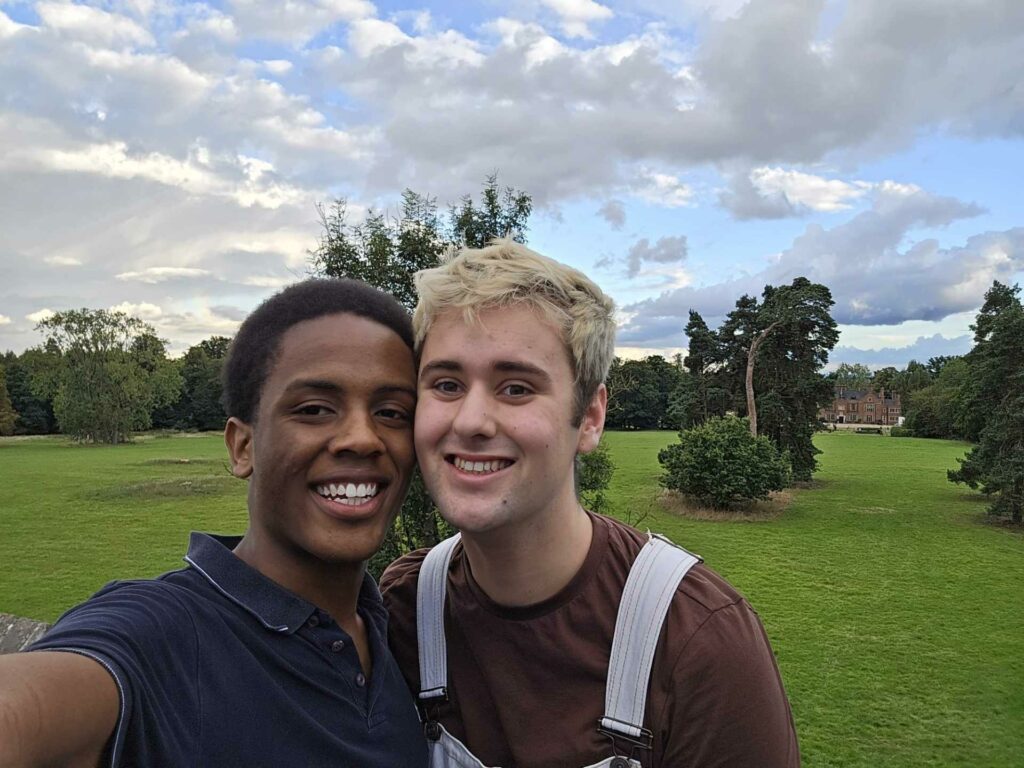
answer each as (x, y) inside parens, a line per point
(593, 421)
(238, 439)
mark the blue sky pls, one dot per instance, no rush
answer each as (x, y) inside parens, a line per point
(165, 158)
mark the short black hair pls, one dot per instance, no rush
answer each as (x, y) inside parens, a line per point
(254, 348)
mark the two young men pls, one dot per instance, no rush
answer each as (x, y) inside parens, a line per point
(271, 649)
(524, 639)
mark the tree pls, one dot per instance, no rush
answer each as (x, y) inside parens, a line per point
(722, 465)
(386, 252)
(499, 214)
(643, 403)
(110, 375)
(996, 364)
(8, 416)
(936, 407)
(853, 376)
(796, 332)
(200, 404)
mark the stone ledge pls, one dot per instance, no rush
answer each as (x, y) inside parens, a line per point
(17, 632)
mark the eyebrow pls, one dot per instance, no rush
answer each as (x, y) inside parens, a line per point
(504, 366)
(331, 387)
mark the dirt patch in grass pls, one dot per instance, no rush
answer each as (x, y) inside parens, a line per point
(171, 488)
(1003, 524)
(757, 512)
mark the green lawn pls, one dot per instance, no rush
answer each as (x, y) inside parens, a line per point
(896, 613)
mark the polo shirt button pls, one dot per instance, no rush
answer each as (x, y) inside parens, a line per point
(337, 646)
(360, 680)
(620, 762)
(313, 621)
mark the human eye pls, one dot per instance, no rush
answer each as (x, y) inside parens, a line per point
(395, 414)
(312, 410)
(446, 387)
(516, 390)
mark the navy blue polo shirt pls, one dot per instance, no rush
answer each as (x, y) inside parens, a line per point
(217, 665)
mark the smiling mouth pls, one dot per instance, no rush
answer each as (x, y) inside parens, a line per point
(348, 494)
(479, 467)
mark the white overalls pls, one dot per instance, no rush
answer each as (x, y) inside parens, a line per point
(652, 581)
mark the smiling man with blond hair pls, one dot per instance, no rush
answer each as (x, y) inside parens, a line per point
(544, 634)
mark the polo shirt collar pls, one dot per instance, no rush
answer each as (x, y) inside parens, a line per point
(276, 608)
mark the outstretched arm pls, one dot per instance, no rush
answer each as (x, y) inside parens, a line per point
(56, 708)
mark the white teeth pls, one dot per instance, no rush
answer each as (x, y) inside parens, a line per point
(348, 493)
(481, 467)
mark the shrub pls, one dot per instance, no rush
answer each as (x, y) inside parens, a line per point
(722, 465)
(593, 473)
(901, 432)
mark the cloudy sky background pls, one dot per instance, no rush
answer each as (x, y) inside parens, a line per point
(165, 158)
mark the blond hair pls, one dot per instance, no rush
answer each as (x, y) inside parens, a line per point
(506, 273)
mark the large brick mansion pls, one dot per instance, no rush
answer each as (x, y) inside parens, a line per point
(862, 406)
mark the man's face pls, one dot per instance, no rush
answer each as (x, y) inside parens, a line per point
(330, 453)
(494, 432)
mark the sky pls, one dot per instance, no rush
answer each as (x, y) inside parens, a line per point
(166, 158)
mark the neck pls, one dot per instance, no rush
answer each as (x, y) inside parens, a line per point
(532, 562)
(332, 587)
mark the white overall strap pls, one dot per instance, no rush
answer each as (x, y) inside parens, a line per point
(649, 589)
(430, 595)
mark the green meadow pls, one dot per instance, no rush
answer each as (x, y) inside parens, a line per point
(895, 607)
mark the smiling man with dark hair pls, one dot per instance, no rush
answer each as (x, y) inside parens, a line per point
(267, 649)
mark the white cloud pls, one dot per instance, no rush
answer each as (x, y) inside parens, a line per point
(577, 15)
(9, 27)
(295, 21)
(809, 191)
(662, 189)
(277, 66)
(92, 25)
(42, 314)
(143, 310)
(160, 274)
(63, 261)
(5, 320)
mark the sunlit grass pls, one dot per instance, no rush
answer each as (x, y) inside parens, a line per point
(896, 611)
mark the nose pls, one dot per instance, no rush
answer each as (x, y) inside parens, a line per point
(357, 433)
(475, 415)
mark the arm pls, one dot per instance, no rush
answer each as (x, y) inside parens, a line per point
(56, 708)
(728, 708)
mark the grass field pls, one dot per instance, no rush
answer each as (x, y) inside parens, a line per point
(896, 612)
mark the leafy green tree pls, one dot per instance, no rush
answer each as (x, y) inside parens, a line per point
(884, 379)
(996, 464)
(936, 407)
(786, 384)
(112, 373)
(701, 395)
(500, 213)
(641, 391)
(200, 405)
(915, 377)
(853, 376)
(722, 465)
(35, 413)
(991, 366)
(8, 416)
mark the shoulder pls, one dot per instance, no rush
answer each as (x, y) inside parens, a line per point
(126, 618)
(399, 579)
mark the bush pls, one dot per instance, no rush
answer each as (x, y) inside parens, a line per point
(722, 465)
(901, 432)
(593, 473)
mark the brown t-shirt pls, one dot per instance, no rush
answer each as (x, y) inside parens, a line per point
(527, 685)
